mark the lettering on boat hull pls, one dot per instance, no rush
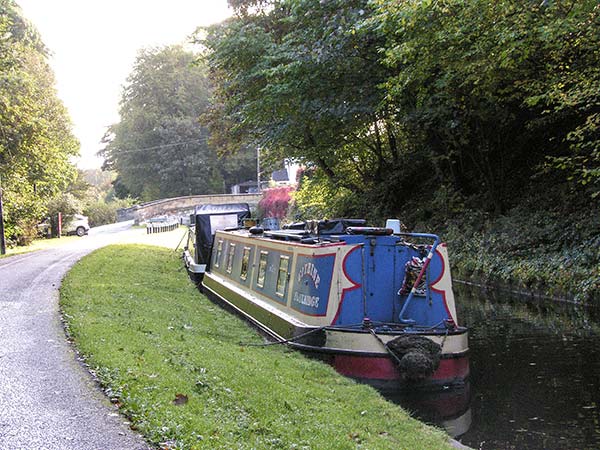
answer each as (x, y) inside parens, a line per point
(312, 284)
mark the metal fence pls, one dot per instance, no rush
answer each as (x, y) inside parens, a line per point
(162, 224)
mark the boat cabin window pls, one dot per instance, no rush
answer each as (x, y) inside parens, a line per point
(262, 269)
(282, 276)
(219, 252)
(245, 263)
(230, 256)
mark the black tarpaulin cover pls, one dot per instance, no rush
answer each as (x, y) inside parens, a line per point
(208, 219)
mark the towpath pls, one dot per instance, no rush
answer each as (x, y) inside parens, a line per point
(47, 398)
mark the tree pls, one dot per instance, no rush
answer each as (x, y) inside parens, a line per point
(570, 91)
(36, 142)
(159, 148)
(397, 100)
(300, 81)
(479, 82)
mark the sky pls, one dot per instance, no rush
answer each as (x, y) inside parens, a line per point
(93, 46)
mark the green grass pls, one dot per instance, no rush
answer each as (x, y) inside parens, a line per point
(150, 337)
(41, 244)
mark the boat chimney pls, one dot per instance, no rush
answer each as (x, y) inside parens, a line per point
(393, 224)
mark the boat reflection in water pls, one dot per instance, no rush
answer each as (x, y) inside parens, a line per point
(449, 408)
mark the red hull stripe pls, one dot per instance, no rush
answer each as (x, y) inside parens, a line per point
(452, 368)
(384, 369)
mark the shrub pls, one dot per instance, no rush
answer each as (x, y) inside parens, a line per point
(102, 213)
(275, 202)
(318, 198)
(25, 232)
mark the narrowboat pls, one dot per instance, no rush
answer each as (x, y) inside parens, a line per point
(374, 302)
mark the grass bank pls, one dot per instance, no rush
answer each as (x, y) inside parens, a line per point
(173, 362)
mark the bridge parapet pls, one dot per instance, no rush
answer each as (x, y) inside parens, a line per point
(181, 205)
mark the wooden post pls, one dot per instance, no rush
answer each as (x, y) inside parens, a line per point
(59, 226)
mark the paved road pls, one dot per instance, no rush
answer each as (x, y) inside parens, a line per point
(47, 399)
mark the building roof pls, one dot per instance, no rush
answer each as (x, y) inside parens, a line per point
(280, 175)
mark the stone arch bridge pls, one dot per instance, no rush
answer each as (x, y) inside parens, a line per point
(182, 206)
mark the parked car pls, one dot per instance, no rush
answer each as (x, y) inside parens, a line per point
(78, 225)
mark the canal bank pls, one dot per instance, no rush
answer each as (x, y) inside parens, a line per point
(176, 366)
(546, 244)
(542, 254)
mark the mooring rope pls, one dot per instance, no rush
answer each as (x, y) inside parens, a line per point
(292, 339)
(283, 341)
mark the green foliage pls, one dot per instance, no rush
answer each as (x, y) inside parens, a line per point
(102, 212)
(96, 185)
(571, 93)
(159, 148)
(21, 209)
(540, 245)
(428, 111)
(497, 91)
(23, 232)
(190, 375)
(318, 198)
(477, 81)
(237, 166)
(36, 142)
(477, 94)
(301, 82)
(92, 194)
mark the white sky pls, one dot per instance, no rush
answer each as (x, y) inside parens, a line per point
(94, 44)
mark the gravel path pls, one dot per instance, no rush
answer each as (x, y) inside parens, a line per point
(47, 398)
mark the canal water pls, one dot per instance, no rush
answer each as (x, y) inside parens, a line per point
(535, 376)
